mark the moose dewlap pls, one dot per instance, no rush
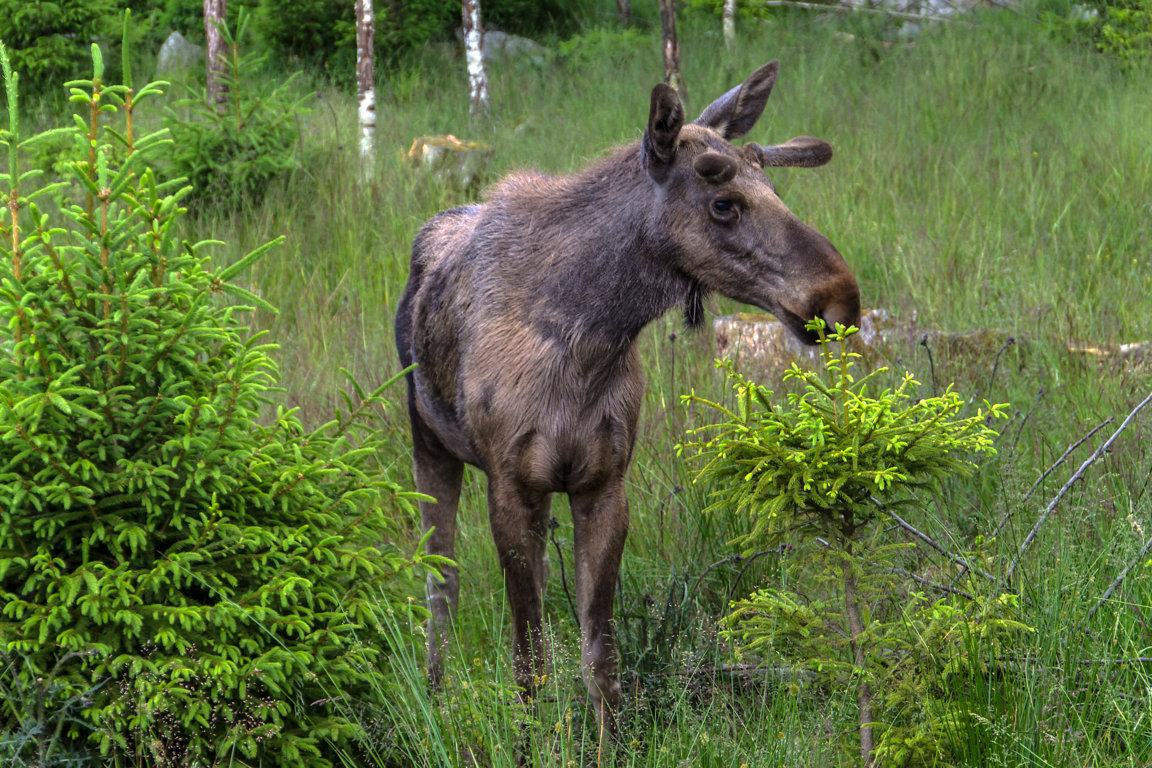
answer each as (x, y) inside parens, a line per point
(523, 314)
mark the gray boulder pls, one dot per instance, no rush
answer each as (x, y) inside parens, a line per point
(178, 57)
(501, 46)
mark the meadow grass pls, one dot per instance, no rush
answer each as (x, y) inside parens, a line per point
(986, 176)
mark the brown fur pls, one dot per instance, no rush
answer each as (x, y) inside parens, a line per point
(523, 315)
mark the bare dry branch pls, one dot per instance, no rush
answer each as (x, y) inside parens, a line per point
(1068, 485)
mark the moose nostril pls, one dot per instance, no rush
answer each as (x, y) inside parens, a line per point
(845, 312)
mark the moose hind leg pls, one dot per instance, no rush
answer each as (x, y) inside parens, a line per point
(519, 518)
(600, 522)
(439, 475)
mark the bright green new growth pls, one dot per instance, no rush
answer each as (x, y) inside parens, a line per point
(199, 577)
(837, 455)
(819, 472)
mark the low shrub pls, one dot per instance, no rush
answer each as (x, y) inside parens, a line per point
(200, 576)
(231, 153)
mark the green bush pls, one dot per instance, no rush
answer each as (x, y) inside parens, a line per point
(323, 33)
(825, 475)
(1126, 29)
(230, 156)
(198, 575)
(48, 42)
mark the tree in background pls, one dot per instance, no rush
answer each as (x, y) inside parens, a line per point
(624, 10)
(730, 26)
(671, 46)
(49, 42)
(214, 15)
(478, 102)
(365, 82)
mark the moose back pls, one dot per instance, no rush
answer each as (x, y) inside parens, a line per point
(523, 312)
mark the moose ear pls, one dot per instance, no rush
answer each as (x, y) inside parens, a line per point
(665, 119)
(733, 114)
(800, 152)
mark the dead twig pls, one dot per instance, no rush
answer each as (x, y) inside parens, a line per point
(1068, 485)
(917, 534)
(1050, 470)
(1120, 579)
(930, 584)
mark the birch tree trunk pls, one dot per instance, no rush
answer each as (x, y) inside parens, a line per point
(671, 45)
(366, 83)
(624, 11)
(730, 26)
(217, 56)
(474, 48)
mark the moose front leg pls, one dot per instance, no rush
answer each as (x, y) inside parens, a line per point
(519, 521)
(600, 522)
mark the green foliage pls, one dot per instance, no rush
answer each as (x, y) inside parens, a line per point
(231, 153)
(821, 472)
(1127, 30)
(600, 44)
(185, 570)
(323, 33)
(838, 454)
(1122, 28)
(320, 33)
(49, 42)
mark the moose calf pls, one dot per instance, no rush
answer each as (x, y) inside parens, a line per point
(523, 314)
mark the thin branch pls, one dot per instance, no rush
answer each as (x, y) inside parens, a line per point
(1024, 421)
(553, 524)
(1052, 469)
(930, 584)
(1068, 485)
(964, 562)
(1120, 579)
(747, 562)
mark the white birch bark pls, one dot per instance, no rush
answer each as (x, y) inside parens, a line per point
(671, 45)
(730, 25)
(474, 49)
(366, 83)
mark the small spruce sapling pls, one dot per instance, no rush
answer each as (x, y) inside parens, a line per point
(826, 471)
(203, 575)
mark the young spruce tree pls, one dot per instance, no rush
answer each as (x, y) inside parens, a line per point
(824, 476)
(200, 581)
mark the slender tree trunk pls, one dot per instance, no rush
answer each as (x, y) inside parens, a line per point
(474, 48)
(671, 45)
(624, 11)
(366, 83)
(217, 55)
(859, 658)
(730, 26)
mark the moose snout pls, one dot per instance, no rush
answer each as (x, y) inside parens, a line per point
(837, 300)
(844, 308)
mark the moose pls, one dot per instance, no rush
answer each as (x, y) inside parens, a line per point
(522, 314)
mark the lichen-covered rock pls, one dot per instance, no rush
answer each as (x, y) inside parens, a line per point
(451, 160)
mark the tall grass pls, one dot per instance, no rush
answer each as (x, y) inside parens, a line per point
(986, 176)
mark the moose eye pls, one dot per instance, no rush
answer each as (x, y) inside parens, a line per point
(724, 210)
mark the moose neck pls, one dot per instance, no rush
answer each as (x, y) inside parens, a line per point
(614, 269)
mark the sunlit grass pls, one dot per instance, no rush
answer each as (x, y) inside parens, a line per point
(985, 177)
